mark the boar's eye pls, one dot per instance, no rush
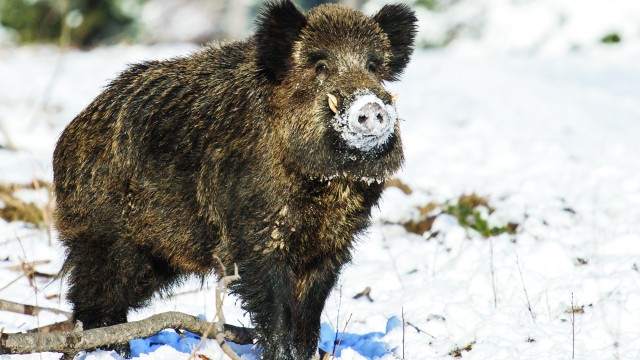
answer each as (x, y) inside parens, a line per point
(322, 68)
(372, 67)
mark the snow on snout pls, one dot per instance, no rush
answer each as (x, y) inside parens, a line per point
(367, 123)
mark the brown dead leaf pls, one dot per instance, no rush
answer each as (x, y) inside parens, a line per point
(400, 185)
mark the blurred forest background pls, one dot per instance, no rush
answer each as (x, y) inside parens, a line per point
(524, 26)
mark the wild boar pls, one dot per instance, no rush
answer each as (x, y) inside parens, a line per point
(267, 153)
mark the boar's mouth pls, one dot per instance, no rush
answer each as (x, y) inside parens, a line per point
(364, 179)
(342, 162)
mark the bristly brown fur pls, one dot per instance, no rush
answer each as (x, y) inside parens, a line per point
(230, 153)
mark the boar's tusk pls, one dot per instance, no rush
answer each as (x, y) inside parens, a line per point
(333, 103)
(394, 97)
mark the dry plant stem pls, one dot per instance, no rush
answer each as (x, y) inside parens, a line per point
(337, 321)
(47, 210)
(335, 349)
(74, 342)
(526, 295)
(393, 261)
(11, 282)
(8, 143)
(573, 329)
(420, 331)
(219, 326)
(25, 236)
(493, 276)
(30, 264)
(13, 202)
(11, 306)
(402, 333)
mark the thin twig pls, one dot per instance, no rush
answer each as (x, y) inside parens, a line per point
(533, 316)
(393, 261)
(221, 290)
(11, 282)
(573, 328)
(493, 276)
(219, 326)
(46, 211)
(335, 339)
(420, 331)
(335, 349)
(8, 143)
(32, 282)
(24, 236)
(546, 295)
(27, 263)
(403, 333)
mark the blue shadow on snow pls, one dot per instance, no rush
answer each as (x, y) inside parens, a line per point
(369, 345)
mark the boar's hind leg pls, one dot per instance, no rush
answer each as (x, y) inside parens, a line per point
(106, 279)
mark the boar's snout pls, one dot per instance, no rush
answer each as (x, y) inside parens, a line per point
(367, 122)
(370, 120)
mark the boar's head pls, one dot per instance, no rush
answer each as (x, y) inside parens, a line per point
(332, 114)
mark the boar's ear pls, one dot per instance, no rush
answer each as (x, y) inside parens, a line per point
(278, 26)
(399, 23)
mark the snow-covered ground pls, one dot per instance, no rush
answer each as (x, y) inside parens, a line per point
(553, 142)
(525, 26)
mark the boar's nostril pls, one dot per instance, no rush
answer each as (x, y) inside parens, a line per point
(370, 119)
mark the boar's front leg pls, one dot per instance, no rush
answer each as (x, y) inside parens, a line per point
(266, 287)
(312, 289)
(287, 311)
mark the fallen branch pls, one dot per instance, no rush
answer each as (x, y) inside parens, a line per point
(6, 305)
(76, 341)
